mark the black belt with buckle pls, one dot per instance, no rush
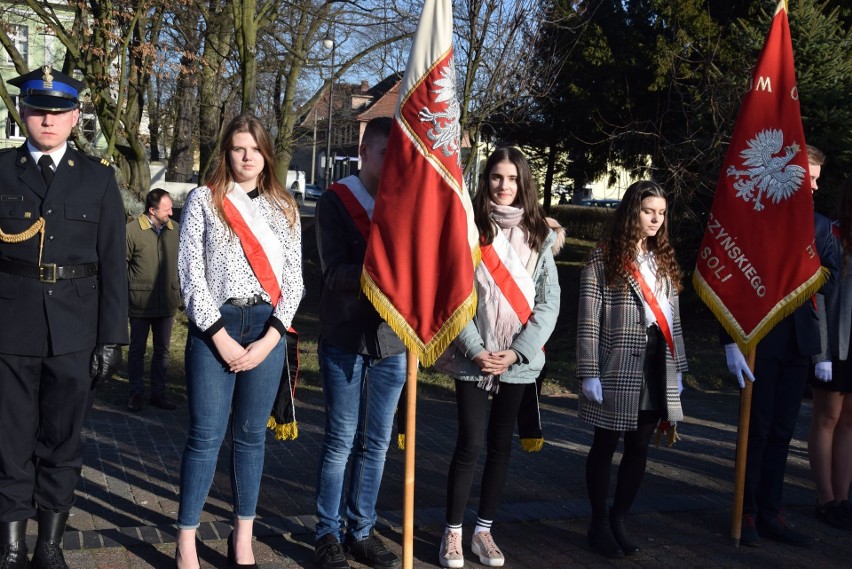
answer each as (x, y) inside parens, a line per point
(248, 301)
(49, 272)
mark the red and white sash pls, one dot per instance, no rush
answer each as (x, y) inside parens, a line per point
(654, 305)
(510, 275)
(357, 201)
(260, 244)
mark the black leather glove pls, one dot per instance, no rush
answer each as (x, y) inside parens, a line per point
(105, 361)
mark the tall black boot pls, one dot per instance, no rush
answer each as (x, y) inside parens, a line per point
(601, 538)
(48, 550)
(13, 545)
(616, 521)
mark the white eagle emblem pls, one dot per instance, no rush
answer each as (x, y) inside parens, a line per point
(765, 173)
(445, 131)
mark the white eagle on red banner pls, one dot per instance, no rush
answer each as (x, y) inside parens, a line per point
(765, 172)
(445, 131)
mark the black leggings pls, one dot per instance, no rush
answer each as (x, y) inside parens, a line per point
(473, 417)
(630, 471)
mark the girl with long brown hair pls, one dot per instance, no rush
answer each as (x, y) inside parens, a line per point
(630, 354)
(240, 268)
(499, 354)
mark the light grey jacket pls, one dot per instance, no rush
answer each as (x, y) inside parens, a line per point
(458, 362)
(835, 317)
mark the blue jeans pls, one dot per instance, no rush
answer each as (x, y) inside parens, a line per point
(214, 394)
(361, 394)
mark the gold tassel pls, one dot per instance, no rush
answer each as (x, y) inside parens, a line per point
(668, 429)
(400, 441)
(427, 353)
(673, 436)
(532, 445)
(782, 309)
(284, 431)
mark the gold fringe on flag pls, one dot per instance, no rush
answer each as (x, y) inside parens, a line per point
(283, 431)
(400, 441)
(781, 310)
(532, 445)
(427, 352)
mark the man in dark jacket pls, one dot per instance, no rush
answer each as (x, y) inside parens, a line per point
(63, 296)
(152, 277)
(362, 362)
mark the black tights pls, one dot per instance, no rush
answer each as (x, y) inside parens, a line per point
(476, 412)
(630, 471)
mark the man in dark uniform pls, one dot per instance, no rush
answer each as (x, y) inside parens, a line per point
(781, 366)
(63, 297)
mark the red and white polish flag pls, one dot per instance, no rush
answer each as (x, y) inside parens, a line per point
(423, 246)
(758, 262)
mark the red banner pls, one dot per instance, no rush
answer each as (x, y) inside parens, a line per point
(758, 261)
(418, 270)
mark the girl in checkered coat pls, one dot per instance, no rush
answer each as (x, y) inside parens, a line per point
(630, 354)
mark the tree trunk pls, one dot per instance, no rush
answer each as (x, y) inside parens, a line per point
(181, 157)
(217, 39)
(246, 36)
(154, 121)
(548, 176)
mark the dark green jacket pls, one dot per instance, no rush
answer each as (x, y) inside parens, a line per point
(152, 276)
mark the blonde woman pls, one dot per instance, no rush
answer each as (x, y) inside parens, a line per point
(240, 267)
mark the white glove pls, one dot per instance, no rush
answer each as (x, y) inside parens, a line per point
(679, 383)
(592, 389)
(822, 371)
(737, 364)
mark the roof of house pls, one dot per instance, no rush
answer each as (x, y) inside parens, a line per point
(383, 106)
(376, 101)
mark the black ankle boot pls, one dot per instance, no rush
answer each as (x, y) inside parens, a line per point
(616, 522)
(13, 545)
(48, 550)
(601, 539)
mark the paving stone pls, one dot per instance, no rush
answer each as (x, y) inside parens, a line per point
(127, 501)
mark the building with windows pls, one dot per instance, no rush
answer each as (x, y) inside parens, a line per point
(352, 106)
(32, 42)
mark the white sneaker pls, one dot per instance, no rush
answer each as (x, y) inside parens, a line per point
(450, 554)
(489, 554)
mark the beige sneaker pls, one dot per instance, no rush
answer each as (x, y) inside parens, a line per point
(450, 554)
(489, 554)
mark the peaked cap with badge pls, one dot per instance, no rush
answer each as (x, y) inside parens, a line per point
(48, 89)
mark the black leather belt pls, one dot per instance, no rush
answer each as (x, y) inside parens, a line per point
(249, 301)
(49, 272)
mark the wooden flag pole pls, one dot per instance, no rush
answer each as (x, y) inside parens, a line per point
(408, 490)
(742, 448)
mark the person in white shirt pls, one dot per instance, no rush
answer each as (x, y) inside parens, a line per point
(239, 263)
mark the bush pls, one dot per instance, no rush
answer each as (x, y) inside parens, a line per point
(580, 222)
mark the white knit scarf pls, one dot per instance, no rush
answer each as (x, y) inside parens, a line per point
(498, 321)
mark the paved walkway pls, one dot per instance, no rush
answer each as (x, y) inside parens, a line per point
(127, 502)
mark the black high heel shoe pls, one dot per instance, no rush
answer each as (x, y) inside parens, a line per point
(232, 556)
(601, 539)
(628, 545)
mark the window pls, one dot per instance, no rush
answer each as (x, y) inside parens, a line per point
(52, 57)
(19, 34)
(88, 121)
(13, 131)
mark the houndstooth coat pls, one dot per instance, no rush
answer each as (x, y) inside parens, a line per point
(611, 339)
